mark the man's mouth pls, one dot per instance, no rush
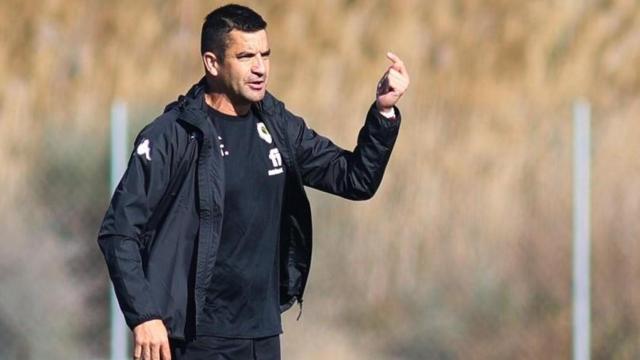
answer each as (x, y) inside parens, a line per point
(256, 85)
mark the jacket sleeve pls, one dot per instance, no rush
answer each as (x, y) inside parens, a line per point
(355, 174)
(140, 189)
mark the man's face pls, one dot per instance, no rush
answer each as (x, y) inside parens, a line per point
(245, 69)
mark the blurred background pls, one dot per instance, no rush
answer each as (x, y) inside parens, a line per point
(464, 253)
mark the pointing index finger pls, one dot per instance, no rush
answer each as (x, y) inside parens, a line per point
(397, 62)
(393, 57)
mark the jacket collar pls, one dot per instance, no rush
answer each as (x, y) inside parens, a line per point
(193, 108)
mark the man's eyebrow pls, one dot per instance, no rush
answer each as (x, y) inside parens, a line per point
(245, 53)
(251, 53)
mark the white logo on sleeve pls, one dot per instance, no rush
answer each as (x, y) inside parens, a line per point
(276, 161)
(144, 149)
(264, 133)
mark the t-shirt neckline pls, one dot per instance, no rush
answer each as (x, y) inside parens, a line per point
(225, 117)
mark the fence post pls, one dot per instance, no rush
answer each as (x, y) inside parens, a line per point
(581, 230)
(119, 124)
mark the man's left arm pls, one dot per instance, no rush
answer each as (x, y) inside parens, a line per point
(354, 174)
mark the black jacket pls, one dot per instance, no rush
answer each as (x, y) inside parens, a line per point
(163, 271)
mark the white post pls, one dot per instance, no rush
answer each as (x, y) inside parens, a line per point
(119, 124)
(581, 230)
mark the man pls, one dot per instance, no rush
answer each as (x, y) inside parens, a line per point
(208, 235)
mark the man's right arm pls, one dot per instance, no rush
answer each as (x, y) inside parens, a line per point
(353, 174)
(139, 191)
(133, 201)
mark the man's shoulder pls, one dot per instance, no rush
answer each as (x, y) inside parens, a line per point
(276, 108)
(164, 128)
(185, 106)
(167, 122)
(270, 104)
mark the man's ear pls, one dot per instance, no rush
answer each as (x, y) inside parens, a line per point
(211, 63)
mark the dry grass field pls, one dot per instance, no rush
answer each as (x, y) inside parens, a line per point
(465, 252)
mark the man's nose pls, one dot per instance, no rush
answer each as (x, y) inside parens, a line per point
(258, 65)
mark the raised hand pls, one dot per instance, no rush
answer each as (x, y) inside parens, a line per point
(392, 85)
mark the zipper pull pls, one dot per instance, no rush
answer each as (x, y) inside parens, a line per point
(300, 313)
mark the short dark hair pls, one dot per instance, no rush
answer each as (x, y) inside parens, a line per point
(221, 21)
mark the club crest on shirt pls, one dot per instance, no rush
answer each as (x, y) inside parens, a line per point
(264, 133)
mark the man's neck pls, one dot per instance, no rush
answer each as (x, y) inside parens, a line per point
(223, 104)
